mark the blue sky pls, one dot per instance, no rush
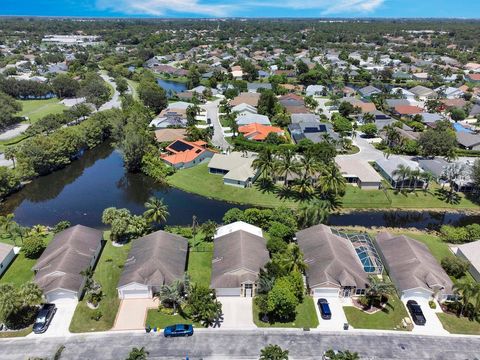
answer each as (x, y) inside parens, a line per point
(243, 8)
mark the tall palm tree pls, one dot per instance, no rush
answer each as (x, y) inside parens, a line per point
(452, 172)
(287, 164)
(7, 224)
(378, 289)
(415, 175)
(402, 172)
(313, 212)
(265, 163)
(309, 166)
(331, 181)
(466, 289)
(157, 211)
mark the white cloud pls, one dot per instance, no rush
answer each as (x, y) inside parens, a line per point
(165, 7)
(240, 7)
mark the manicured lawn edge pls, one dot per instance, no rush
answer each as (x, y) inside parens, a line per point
(380, 320)
(306, 316)
(160, 320)
(456, 325)
(14, 334)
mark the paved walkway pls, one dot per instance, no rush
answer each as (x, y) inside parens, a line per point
(114, 102)
(132, 313)
(13, 131)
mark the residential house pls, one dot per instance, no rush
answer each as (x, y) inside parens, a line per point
(360, 173)
(59, 271)
(316, 90)
(154, 260)
(450, 92)
(239, 252)
(237, 72)
(182, 154)
(246, 98)
(423, 93)
(236, 168)
(404, 94)
(314, 131)
(244, 109)
(247, 119)
(368, 91)
(471, 253)
(467, 140)
(434, 166)
(475, 78)
(413, 269)
(333, 266)
(255, 87)
(7, 254)
(169, 134)
(388, 167)
(258, 132)
(407, 110)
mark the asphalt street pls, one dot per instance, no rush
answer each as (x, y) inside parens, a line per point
(245, 345)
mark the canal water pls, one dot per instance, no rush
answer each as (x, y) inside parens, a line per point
(80, 192)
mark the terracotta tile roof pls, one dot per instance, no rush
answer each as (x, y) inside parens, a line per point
(181, 151)
(408, 110)
(169, 134)
(258, 132)
(474, 77)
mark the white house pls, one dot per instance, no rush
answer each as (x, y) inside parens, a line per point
(7, 254)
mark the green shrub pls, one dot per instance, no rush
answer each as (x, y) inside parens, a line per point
(33, 247)
(96, 315)
(455, 266)
(432, 304)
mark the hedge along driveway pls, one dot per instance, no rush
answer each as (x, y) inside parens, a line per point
(107, 273)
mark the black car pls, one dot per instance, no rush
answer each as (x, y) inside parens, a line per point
(416, 312)
(44, 318)
(324, 309)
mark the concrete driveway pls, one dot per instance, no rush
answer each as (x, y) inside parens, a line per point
(433, 326)
(132, 313)
(338, 315)
(237, 312)
(61, 320)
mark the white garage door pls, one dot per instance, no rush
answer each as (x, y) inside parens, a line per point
(416, 295)
(135, 294)
(325, 292)
(228, 292)
(59, 295)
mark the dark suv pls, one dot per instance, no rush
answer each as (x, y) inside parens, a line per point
(44, 318)
(416, 312)
(324, 309)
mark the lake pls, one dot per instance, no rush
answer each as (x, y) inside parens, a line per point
(171, 87)
(80, 192)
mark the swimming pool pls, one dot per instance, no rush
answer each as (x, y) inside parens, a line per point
(365, 259)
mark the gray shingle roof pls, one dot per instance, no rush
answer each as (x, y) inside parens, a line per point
(411, 265)
(331, 259)
(5, 249)
(69, 253)
(155, 259)
(237, 258)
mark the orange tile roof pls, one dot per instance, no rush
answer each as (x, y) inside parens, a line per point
(257, 131)
(474, 77)
(177, 157)
(408, 110)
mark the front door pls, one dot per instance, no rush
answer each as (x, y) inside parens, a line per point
(346, 292)
(248, 290)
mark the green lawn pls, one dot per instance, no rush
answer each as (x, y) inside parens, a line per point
(390, 319)
(20, 270)
(107, 273)
(198, 180)
(456, 325)
(157, 319)
(134, 87)
(19, 333)
(36, 109)
(200, 265)
(306, 316)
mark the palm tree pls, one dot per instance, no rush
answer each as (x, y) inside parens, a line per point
(402, 172)
(156, 212)
(265, 163)
(138, 354)
(287, 164)
(379, 289)
(368, 118)
(466, 289)
(309, 167)
(331, 181)
(313, 212)
(273, 352)
(8, 225)
(10, 153)
(31, 294)
(426, 177)
(415, 174)
(452, 172)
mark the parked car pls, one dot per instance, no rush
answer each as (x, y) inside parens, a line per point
(324, 309)
(178, 330)
(44, 318)
(416, 312)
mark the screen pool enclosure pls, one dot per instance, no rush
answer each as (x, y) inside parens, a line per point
(368, 255)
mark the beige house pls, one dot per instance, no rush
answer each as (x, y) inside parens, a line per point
(7, 254)
(471, 253)
(240, 251)
(359, 172)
